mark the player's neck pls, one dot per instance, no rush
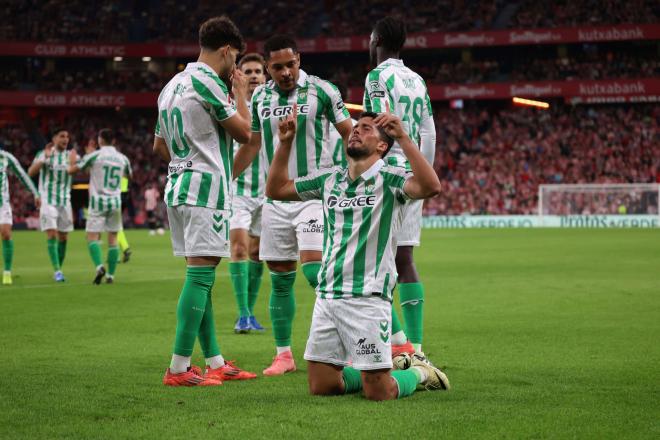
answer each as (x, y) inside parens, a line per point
(210, 61)
(357, 167)
(384, 56)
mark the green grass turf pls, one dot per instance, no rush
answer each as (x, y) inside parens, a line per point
(543, 333)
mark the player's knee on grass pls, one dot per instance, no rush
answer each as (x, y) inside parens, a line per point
(405, 265)
(378, 385)
(324, 379)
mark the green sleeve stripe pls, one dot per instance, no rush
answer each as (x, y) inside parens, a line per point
(22, 175)
(394, 180)
(157, 130)
(256, 123)
(216, 79)
(217, 106)
(88, 160)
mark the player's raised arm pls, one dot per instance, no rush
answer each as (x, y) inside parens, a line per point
(278, 184)
(248, 151)
(427, 132)
(238, 125)
(39, 160)
(74, 166)
(425, 182)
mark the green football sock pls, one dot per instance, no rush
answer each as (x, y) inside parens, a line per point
(113, 257)
(238, 271)
(8, 253)
(192, 306)
(61, 251)
(53, 254)
(352, 380)
(407, 381)
(412, 305)
(282, 306)
(255, 272)
(207, 337)
(311, 272)
(95, 252)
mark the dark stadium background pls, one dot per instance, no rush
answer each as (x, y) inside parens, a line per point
(85, 65)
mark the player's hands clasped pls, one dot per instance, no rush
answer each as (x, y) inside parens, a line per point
(391, 124)
(288, 126)
(239, 84)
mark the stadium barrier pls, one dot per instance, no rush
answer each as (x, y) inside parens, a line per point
(536, 221)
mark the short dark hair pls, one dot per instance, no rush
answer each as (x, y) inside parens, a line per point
(392, 33)
(220, 31)
(251, 57)
(383, 135)
(279, 42)
(107, 135)
(56, 130)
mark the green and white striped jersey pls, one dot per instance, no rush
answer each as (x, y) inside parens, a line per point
(252, 181)
(54, 179)
(319, 104)
(106, 167)
(190, 108)
(361, 218)
(408, 99)
(9, 162)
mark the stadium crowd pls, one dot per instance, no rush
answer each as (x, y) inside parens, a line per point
(169, 20)
(490, 161)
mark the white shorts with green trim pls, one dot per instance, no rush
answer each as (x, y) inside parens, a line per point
(351, 331)
(288, 228)
(6, 217)
(246, 214)
(411, 226)
(106, 221)
(198, 231)
(56, 217)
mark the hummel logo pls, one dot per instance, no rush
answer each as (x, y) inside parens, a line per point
(218, 228)
(217, 217)
(384, 337)
(361, 341)
(384, 325)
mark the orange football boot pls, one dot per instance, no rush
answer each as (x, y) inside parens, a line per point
(188, 379)
(228, 371)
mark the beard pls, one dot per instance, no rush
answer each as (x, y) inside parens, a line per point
(357, 152)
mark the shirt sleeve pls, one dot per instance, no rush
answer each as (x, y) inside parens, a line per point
(39, 157)
(427, 135)
(87, 160)
(22, 175)
(214, 95)
(375, 93)
(310, 187)
(395, 179)
(336, 110)
(157, 129)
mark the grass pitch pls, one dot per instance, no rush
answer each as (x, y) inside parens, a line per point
(543, 334)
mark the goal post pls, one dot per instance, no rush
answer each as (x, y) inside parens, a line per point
(599, 199)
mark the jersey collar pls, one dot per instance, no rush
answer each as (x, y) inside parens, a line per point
(367, 174)
(395, 61)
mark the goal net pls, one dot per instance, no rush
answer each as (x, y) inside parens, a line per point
(599, 199)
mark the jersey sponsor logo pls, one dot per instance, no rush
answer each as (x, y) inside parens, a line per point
(313, 225)
(377, 94)
(280, 112)
(352, 202)
(340, 105)
(175, 169)
(363, 347)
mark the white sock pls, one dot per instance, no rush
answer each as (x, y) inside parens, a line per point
(215, 361)
(417, 347)
(399, 338)
(281, 350)
(99, 266)
(179, 364)
(422, 374)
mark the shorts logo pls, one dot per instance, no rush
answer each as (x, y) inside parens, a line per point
(280, 112)
(363, 347)
(313, 225)
(353, 202)
(218, 224)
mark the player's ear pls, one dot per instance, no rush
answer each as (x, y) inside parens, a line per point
(298, 58)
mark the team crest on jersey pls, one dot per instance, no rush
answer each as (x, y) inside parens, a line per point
(302, 94)
(370, 187)
(281, 112)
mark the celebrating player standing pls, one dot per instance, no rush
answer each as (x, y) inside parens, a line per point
(245, 267)
(361, 204)
(9, 162)
(291, 231)
(55, 215)
(106, 168)
(196, 124)
(405, 91)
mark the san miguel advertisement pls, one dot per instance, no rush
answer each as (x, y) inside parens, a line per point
(423, 40)
(626, 90)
